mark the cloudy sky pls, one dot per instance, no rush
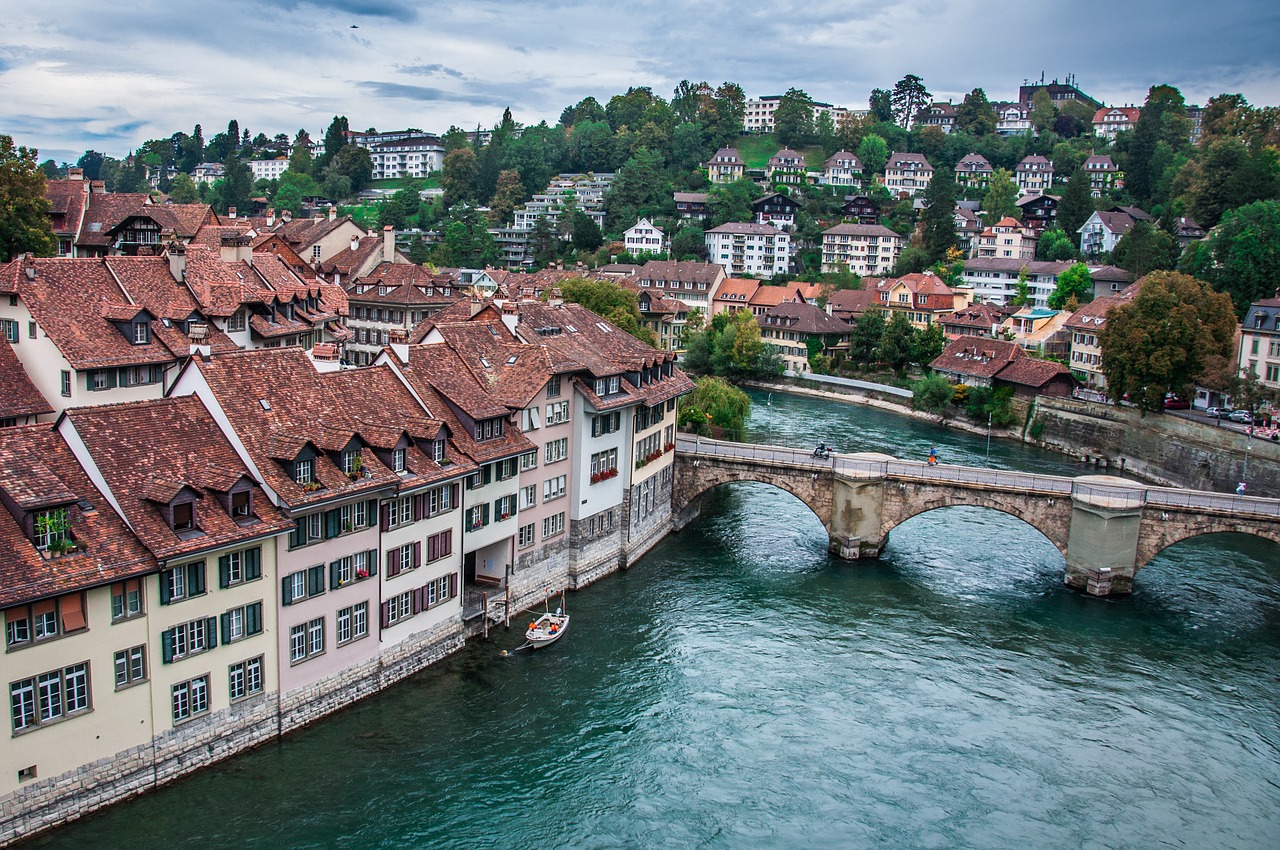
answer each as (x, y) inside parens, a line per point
(76, 74)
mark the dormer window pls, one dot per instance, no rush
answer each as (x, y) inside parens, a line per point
(184, 516)
(437, 450)
(242, 504)
(303, 471)
(351, 462)
(51, 530)
(397, 460)
(141, 333)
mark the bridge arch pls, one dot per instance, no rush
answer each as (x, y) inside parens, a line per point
(1048, 514)
(1014, 511)
(1156, 535)
(813, 488)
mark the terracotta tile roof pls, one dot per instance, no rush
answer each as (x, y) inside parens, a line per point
(348, 261)
(804, 318)
(1033, 160)
(979, 316)
(668, 270)
(1099, 162)
(772, 296)
(1031, 372)
(849, 304)
(737, 290)
(1093, 315)
(1130, 113)
(37, 469)
(105, 212)
(67, 201)
(746, 228)
(901, 160)
(837, 159)
(979, 358)
(1116, 221)
(974, 162)
(183, 220)
(67, 298)
(174, 438)
(18, 396)
(920, 283)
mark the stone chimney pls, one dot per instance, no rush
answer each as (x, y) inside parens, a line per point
(271, 216)
(178, 261)
(286, 216)
(74, 173)
(231, 212)
(477, 304)
(98, 187)
(355, 243)
(388, 244)
(333, 212)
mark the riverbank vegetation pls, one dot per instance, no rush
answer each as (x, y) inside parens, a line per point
(715, 408)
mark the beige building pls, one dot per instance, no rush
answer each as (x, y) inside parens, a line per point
(907, 174)
(1007, 239)
(864, 249)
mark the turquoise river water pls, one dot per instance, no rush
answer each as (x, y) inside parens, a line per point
(739, 689)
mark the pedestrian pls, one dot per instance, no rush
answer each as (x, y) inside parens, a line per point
(1240, 488)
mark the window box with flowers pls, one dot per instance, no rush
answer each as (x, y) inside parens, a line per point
(604, 475)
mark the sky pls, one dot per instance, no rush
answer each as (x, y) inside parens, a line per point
(77, 75)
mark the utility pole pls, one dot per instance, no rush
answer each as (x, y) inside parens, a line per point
(988, 436)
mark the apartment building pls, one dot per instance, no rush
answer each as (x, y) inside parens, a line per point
(907, 174)
(748, 248)
(864, 249)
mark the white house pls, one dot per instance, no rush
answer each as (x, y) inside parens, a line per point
(644, 237)
(754, 249)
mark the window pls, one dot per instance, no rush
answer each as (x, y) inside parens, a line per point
(398, 608)
(437, 451)
(557, 412)
(553, 488)
(241, 504)
(478, 517)
(131, 666)
(604, 463)
(44, 620)
(353, 623)
(190, 698)
(49, 697)
(302, 471)
(553, 386)
(557, 450)
(398, 512)
(51, 529)
(605, 423)
(488, 429)
(186, 639)
(504, 507)
(352, 462)
(244, 679)
(302, 584)
(439, 545)
(184, 516)
(181, 582)
(404, 558)
(141, 333)
(553, 525)
(10, 330)
(525, 538)
(237, 322)
(397, 460)
(528, 460)
(438, 591)
(440, 500)
(528, 496)
(607, 386)
(306, 640)
(126, 599)
(242, 622)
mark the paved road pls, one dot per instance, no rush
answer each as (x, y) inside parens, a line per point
(1132, 494)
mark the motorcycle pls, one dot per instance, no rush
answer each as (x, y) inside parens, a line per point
(822, 453)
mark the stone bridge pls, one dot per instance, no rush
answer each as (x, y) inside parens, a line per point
(1106, 528)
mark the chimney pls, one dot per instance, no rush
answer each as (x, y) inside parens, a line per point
(355, 243)
(271, 216)
(286, 216)
(476, 305)
(333, 212)
(388, 244)
(74, 173)
(178, 262)
(231, 212)
(98, 187)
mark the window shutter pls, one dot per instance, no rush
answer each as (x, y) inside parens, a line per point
(419, 507)
(456, 496)
(253, 619)
(333, 575)
(386, 614)
(485, 521)
(487, 475)
(393, 564)
(417, 554)
(297, 537)
(211, 629)
(417, 600)
(286, 591)
(226, 627)
(164, 587)
(332, 524)
(315, 580)
(253, 563)
(385, 518)
(453, 585)
(195, 578)
(372, 557)
(166, 646)
(224, 571)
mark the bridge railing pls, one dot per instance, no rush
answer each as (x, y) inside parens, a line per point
(973, 475)
(1201, 500)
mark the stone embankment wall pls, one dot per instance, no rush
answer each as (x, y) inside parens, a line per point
(1162, 448)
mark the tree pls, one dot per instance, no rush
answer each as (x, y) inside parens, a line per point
(1230, 175)
(458, 176)
(1241, 257)
(793, 119)
(873, 153)
(1162, 100)
(1160, 341)
(397, 210)
(975, 115)
(506, 197)
(336, 186)
(1076, 205)
(881, 103)
(689, 242)
(732, 202)
(912, 260)
(932, 394)
(287, 197)
(1054, 245)
(927, 344)
(938, 219)
(183, 190)
(335, 138)
(1043, 113)
(1145, 248)
(1074, 282)
(1001, 200)
(897, 345)
(868, 331)
(355, 164)
(90, 162)
(235, 189)
(717, 402)
(1022, 290)
(586, 233)
(300, 159)
(611, 302)
(908, 98)
(24, 210)
(640, 188)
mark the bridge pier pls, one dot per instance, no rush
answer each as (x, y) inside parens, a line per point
(857, 509)
(1102, 544)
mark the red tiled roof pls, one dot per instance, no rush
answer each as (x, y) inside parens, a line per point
(18, 396)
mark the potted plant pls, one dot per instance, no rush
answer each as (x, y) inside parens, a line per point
(311, 486)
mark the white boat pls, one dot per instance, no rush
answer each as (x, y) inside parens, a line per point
(547, 629)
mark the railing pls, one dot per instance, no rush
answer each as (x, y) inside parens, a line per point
(1116, 496)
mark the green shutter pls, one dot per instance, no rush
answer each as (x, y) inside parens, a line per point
(297, 537)
(286, 586)
(164, 587)
(333, 575)
(332, 523)
(372, 511)
(372, 562)
(226, 627)
(166, 645)
(315, 580)
(253, 619)
(211, 629)
(224, 571)
(195, 579)
(253, 563)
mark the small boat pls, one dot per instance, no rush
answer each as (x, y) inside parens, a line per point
(547, 629)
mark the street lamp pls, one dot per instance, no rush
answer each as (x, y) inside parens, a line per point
(988, 436)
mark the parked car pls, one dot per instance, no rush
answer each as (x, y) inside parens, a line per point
(1175, 403)
(1244, 417)
(1217, 412)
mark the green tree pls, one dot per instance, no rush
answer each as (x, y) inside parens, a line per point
(897, 345)
(24, 210)
(183, 190)
(747, 345)
(928, 344)
(1230, 175)
(689, 241)
(586, 233)
(235, 189)
(938, 221)
(732, 202)
(1162, 100)
(1160, 341)
(611, 302)
(1076, 205)
(544, 242)
(1054, 245)
(873, 153)
(300, 159)
(506, 197)
(1001, 200)
(1074, 282)
(1145, 248)
(335, 139)
(1043, 113)
(868, 332)
(912, 260)
(640, 188)
(793, 119)
(932, 394)
(976, 116)
(717, 402)
(908, 98)
(396, 211)
(1241, 256)
(355, 164)
(1022, 290)
(881, 103)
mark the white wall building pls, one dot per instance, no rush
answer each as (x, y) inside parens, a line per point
(754, 249)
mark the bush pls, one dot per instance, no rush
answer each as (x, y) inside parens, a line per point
(933, 394)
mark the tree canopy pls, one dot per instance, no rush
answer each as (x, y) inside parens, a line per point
(1074, 282)
(24, 210)
(1241, 257)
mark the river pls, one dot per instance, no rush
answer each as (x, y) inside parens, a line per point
(737, 688)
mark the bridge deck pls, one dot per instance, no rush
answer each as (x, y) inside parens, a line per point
(1122, 496)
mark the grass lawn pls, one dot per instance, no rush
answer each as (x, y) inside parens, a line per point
(756, 150)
